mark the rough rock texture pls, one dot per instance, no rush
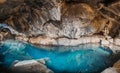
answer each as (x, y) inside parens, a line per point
(29, 66)
(111, 70)
(71, 19)
(114, 69)
(65, 41)
(117, 64)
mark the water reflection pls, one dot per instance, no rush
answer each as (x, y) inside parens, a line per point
(87, 58)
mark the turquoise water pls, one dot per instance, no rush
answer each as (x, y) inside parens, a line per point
(88, 58)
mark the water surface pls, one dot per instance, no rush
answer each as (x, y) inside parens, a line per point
(87, 58)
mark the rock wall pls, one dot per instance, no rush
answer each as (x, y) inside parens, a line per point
(70, 19)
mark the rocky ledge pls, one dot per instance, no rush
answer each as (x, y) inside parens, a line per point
(30, 66)
(43, 40)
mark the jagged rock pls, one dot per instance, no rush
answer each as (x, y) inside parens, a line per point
(112, 13)
(29, 66)
(45, 19)
(70, 19)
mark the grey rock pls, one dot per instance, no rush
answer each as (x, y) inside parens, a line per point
(29, 66)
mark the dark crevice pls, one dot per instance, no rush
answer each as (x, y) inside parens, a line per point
(107, 2)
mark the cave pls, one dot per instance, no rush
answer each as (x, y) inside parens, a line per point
(59, 36)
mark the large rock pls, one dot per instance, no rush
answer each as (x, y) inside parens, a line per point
(29, 66)
(55, 19)
(111, 70)
(65, 41)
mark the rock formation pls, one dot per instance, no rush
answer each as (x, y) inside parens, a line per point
(71, 19)
(29, 66)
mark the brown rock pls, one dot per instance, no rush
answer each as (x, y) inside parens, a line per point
(62, 18)
(111, 70)
(2, 1)
(117, 64)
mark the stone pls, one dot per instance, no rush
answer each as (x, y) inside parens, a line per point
(117, 64)
(43, 40)
(104, 42)
(1, 37)
(111, 70)
(60, 21)
(48, 18)
(29, 66)
(42, 60)
(117, 41)
(63, 41)
(21, 38)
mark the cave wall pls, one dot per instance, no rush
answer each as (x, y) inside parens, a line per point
(62, 18)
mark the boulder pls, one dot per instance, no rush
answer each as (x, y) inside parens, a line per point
(60, 19)
(111, 70)
(29, 66)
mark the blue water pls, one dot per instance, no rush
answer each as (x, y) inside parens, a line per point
(88, 58)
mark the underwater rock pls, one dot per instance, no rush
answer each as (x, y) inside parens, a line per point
(29, 66)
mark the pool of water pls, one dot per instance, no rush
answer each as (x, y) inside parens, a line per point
(87, 58)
